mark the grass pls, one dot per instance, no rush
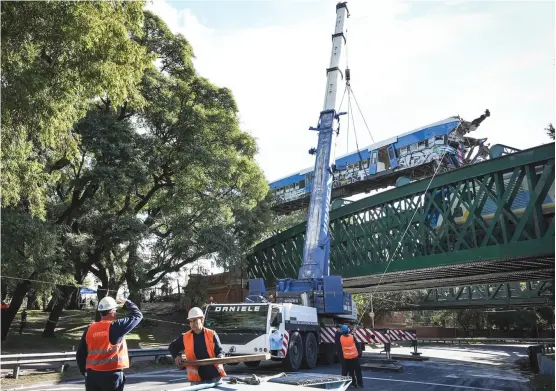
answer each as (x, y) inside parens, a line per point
(71, 325)
(150, 333)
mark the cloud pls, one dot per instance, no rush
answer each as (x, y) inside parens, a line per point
(410, 66)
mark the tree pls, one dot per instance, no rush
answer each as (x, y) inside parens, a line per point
(550, 131)
(67, 56)
(29, 252)
(157, 187)
(384, 303)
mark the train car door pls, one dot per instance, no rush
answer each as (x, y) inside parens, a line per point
(392, 156)
(372, 165)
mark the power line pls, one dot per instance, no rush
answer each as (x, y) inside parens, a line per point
(55, 283)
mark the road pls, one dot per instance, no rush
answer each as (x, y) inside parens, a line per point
(450, 368)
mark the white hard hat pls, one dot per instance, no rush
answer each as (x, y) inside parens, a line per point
(107, 303)
(195, 312)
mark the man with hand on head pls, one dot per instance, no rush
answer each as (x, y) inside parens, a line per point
(199, 343)
(102, 353)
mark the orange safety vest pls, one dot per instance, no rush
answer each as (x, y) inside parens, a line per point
(192, 373)
(5, 306)
(348, 347)
(101, 354)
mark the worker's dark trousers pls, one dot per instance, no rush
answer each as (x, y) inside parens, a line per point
(104, 381)
(353, 369)
(342, 362)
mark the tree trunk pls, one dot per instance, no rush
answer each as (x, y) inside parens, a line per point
(134, 293)
(32, 303)
(4, 290)
(9, 313)
(63, 300)
(74, 301)
(130, 276)
(51, 303)
(101, 294)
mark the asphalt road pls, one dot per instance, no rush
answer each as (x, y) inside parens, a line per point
(450, 368)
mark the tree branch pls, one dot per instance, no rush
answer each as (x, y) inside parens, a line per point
(168, 269)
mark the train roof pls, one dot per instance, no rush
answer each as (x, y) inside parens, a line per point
(366, 150)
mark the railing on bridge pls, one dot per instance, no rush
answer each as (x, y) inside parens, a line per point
(463, 225)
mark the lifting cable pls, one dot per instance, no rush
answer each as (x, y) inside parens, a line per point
(391, 255)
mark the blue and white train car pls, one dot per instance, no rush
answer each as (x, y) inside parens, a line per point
(409, 156)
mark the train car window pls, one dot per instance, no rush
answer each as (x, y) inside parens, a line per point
(421, 144)
(413, 147)
(403, 150)
(373, 159)
(302, 184)
(391, 153)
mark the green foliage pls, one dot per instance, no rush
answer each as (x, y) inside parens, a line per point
(155, 175)
(68, 55)
(550, 131)
(384, 303)
(30, 249)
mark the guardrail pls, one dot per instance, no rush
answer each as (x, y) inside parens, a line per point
(64, 358)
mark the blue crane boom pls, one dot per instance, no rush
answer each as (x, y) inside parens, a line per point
(316, 252)
(314, 286)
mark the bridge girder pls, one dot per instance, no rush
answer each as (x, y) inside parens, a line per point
(462, 228)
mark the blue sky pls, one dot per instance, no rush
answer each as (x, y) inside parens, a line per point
(413, 63)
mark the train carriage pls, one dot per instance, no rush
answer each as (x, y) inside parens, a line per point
(410, 156)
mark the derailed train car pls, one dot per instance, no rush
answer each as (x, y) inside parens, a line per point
(410, 156)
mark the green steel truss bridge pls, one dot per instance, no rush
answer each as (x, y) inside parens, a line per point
(474, 230)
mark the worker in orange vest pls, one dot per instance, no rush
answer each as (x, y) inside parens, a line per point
(4, 305)
(199, 343)
(102, 352)
(351, 358)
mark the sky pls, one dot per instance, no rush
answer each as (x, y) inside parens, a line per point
(412, 64)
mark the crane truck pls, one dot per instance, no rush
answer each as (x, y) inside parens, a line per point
(291, 328)
(298, 327)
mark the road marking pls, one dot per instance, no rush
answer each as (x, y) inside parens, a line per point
(181, 378)
(489, 376)
(509, 378)
(431, 384)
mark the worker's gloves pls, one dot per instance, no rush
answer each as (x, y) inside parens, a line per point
(179, 362)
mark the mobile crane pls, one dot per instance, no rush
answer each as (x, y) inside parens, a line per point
(298, 327)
